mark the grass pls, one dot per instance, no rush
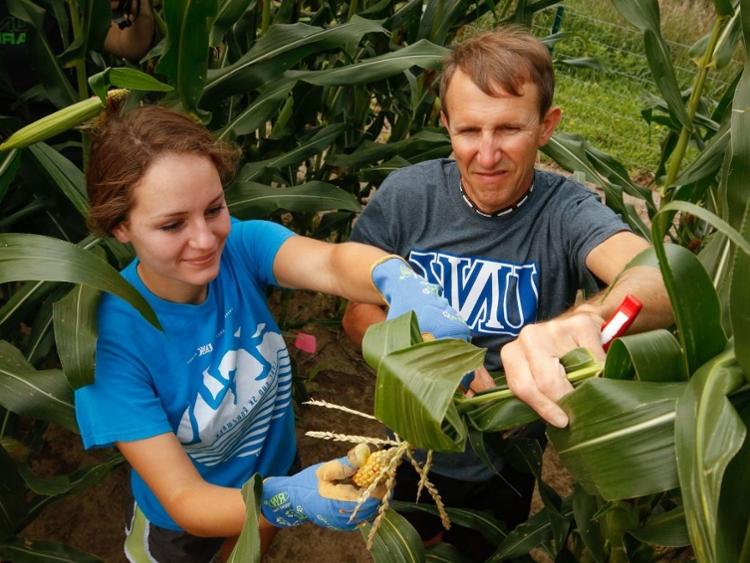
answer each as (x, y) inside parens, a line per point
(604, 104)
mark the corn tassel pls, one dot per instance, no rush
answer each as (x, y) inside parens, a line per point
(58, 122)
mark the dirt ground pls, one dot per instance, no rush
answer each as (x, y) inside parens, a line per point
(93, 521)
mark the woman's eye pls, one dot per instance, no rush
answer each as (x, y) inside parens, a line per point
(170, 227)
(213, 211)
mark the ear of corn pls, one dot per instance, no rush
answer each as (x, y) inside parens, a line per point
(372, 468)
(58, 122)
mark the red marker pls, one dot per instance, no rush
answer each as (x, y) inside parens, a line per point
(622, 318)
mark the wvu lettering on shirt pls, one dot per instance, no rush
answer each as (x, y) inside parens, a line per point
(492, 297)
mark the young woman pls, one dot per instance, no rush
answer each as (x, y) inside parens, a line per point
(198, 408)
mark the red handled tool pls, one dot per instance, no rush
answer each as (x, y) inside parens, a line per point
(621, 319)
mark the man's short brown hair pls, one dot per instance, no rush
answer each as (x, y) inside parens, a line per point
(502, 59)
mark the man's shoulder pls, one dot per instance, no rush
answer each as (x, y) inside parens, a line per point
(416, 180)
(560, 185)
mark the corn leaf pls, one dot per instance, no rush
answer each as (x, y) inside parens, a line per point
(134, 79)
(484, 523)
(585, 509)
(75, 333)
(708, 434)
(422, 54)
(369, 152)
(620, 441)
(63, 174)
(695, 304)
(13, 507)
(247, 549)
(80, 479)
(396, 540)
(383, 338)
(96, 18)
(649, 356)
(227, 15)
(8, 169)
(252, 200)
(415, 388)
(44, 395)
(260, 110)
(664, 529)
(36, 257)
(279, 49)
(525, 537)
(185, 60)
(318, 142)
(644, 14)
(23, 550)
(445, 553)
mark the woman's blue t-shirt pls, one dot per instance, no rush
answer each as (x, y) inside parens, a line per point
(218, 376)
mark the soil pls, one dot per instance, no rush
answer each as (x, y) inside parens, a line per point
(93, 521)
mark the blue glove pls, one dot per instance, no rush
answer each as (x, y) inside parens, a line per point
(312, 495)
(404, 291)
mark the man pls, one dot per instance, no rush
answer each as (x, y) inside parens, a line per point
(510, 246)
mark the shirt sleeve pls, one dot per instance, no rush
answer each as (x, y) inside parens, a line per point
(376, 225)
(257, 243)
(587, 223)
(121, 405)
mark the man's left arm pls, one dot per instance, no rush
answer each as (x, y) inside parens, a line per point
(532, 361)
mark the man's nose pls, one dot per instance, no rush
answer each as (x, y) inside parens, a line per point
(490, 153)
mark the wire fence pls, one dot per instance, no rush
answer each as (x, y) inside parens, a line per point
(607, 100)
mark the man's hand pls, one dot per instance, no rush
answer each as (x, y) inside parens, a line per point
(316, 494)
(532, 361)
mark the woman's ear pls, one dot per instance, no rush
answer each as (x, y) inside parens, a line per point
(121, 233)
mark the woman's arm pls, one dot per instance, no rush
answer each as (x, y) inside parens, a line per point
(197, 506)
(338, 269)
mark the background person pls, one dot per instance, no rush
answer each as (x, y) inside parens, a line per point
(198, 408)
(510, 246)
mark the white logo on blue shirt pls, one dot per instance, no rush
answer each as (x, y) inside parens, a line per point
(239, 397)
(492, 297)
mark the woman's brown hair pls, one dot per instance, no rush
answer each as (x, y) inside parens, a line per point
(125, 144)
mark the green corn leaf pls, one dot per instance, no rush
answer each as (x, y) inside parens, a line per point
(686, 207)
(57, 88)
(708, 162)
(63, 174)
(644, 14)
(738, 199)
(35, 257)
(445, 553)
(620, 441)
(369, 152)
(650, 356)
(279, 49)
(23, 550)
(664, 529)
(585, 509)
(96, 17)
(708, 434)
(396, 541)
(75, 333)
(13, 506)
(44, 395)
(251, 200)
(422, 54)
(9, 165)
(247, 549)
(484, 523)
(78, 480)
(318, 142)
(185, 60)
(415, 388)
(383, 338)
(134, 79)
(228, 14)
(260, 110)
(695, 304)
(378, 173)
(532, 533)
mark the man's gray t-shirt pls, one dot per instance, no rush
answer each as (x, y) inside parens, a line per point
(500, 273)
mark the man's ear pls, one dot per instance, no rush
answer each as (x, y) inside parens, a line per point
(550, 121)
(121, 233)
